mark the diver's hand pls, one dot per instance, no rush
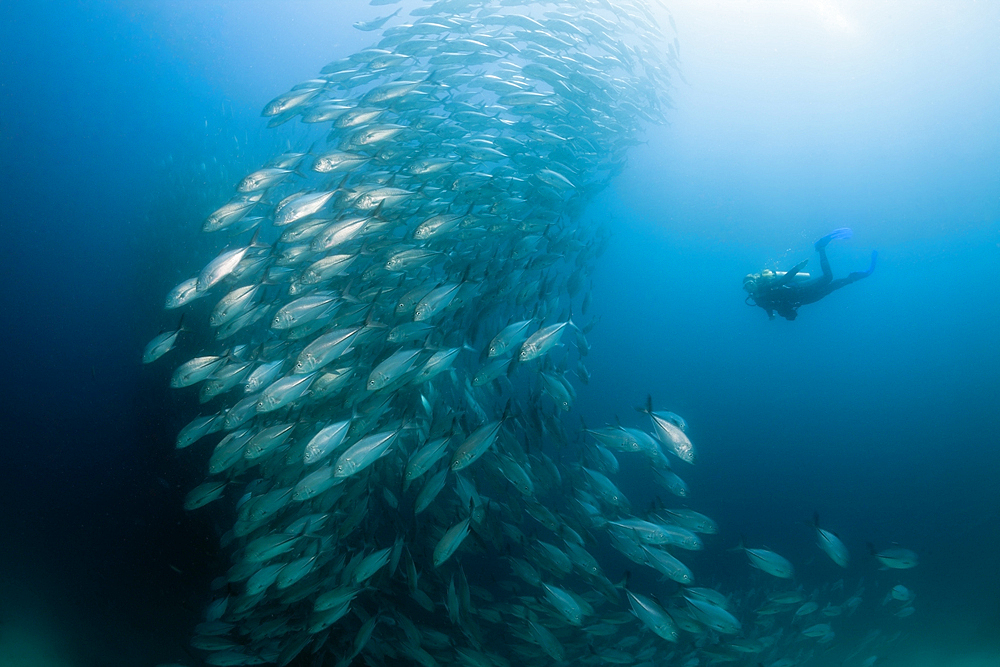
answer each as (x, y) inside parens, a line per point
(798, 267)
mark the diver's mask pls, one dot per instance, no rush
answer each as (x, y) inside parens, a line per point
(756, 282)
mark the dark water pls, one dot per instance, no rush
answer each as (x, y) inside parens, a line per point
(122, 126)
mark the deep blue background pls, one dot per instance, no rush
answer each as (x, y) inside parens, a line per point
(122, 126)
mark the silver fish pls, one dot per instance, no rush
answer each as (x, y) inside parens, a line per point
(183, 294)
(450, 541)
(327, 441)
(653, 616)
(364, 453)
(542, 341)
(300, 206)
(895, 557)
(770, 562)
(424, 458)
(231, 213)
(223, 265)
(283, 391)
(475, 445)
(713, 616)
(161, 344)
(435, 301)
(392, 368)
(831, 545)
(194, 371)
(512, 334)
(374, 24)
(262, 178)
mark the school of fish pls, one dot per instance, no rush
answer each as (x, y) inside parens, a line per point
(396, 332)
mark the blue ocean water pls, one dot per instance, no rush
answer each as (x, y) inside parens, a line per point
(124, 125)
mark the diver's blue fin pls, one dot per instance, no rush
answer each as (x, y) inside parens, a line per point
(858, 275)
(871, 267)
(842, 233)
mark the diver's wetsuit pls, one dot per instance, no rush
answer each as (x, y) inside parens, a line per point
(783, 296)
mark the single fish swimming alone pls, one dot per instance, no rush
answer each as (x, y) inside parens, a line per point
(770, 562)
(374, 24)
(831, 545)
(162, 343)
(894, 557)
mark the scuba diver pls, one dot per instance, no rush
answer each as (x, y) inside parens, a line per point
(783, 292)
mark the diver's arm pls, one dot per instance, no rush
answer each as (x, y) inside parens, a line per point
(763, 303)
(790, 275)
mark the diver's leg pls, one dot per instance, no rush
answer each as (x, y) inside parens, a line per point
(837, 284)
(853, 277)
(824, 264)
(816, 290)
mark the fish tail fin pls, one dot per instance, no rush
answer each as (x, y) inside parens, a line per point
(311, 152)
(511, 366)
(305, 530)
(370, 320)
(741, 546)
(255, 241)
(871, 548)
(815, 520)
(590, 326)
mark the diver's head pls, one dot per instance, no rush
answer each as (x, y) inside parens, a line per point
(755, 282)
